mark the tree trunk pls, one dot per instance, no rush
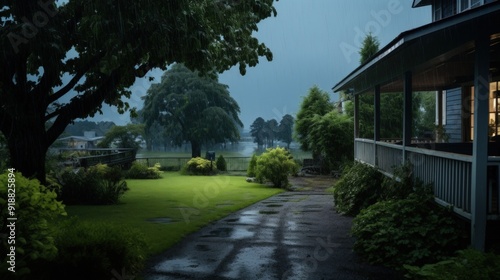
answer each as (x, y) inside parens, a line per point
(27, 148)
(195, 149)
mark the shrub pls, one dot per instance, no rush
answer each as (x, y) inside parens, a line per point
(401, 185)
(275, 165)
(93, 251)
(469, 264)
(221, 163)
(99, 184)
(34, 207)
(199, 166)
(358, 188)
(251, 166)
(406, 231)
(141, 171)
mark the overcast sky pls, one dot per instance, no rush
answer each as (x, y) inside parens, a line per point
(314, 42)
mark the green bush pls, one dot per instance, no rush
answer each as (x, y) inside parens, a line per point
(141, 171)
(275, 165)
(406, 231)
(401, 185)
(94, 251)
(251, 166)
(469, 264)
(199, 166)
(221, 163)
(99, 184)
(34, 207)
(357, 188)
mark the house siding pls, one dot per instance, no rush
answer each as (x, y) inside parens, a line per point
(454, 115)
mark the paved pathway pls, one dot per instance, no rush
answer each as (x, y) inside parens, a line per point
(292, 235)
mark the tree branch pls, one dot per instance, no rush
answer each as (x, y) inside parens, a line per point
(80, 108)
(61, 92)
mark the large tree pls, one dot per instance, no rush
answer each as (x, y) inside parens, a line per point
(285, 130)
(271, 132)
(331, 136)
(257, 131)
(317, 102)
(197, 109)
(61, 60)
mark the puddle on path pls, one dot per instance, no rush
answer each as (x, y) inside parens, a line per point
(240, 233)
(230, 232)
(219, 232)
(270, 212)
(274, 205)
(183, 264)
(202, 247)
(250, 213)
(253, 263)
(291, 225)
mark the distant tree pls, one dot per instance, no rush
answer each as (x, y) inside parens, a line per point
(271, 132)
(257, 131)
(128, 136)
(426, 119)
(317, 102)
(331, 136)
(78, 55)
(193, 108)
(369, 48)
(285, 130)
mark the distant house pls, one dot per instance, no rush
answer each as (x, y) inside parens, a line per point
(458, 56)
(89, 140)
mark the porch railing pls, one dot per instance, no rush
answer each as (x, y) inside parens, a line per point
(450, 173)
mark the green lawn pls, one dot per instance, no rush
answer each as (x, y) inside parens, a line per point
(188, 202)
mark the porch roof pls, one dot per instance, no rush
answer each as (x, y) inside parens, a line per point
(440, 55)
(421, 3)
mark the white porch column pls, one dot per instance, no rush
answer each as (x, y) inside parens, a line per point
(376, 120)
(407, 112)
(480, 143)
(356, 121)
(439, 113)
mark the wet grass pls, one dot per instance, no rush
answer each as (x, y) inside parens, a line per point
(167, 209)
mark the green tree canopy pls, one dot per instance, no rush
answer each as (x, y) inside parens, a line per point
(257, 131)
(285, 130)
(271, 132)
(369, 48)
(128, 136)
(317, 102)
(331, 136)
(194, 108)
(61, 60)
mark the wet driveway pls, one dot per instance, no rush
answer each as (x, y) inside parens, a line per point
(292, 235)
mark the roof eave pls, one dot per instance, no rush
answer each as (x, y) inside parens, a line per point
(413, 34)
(420, 3)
